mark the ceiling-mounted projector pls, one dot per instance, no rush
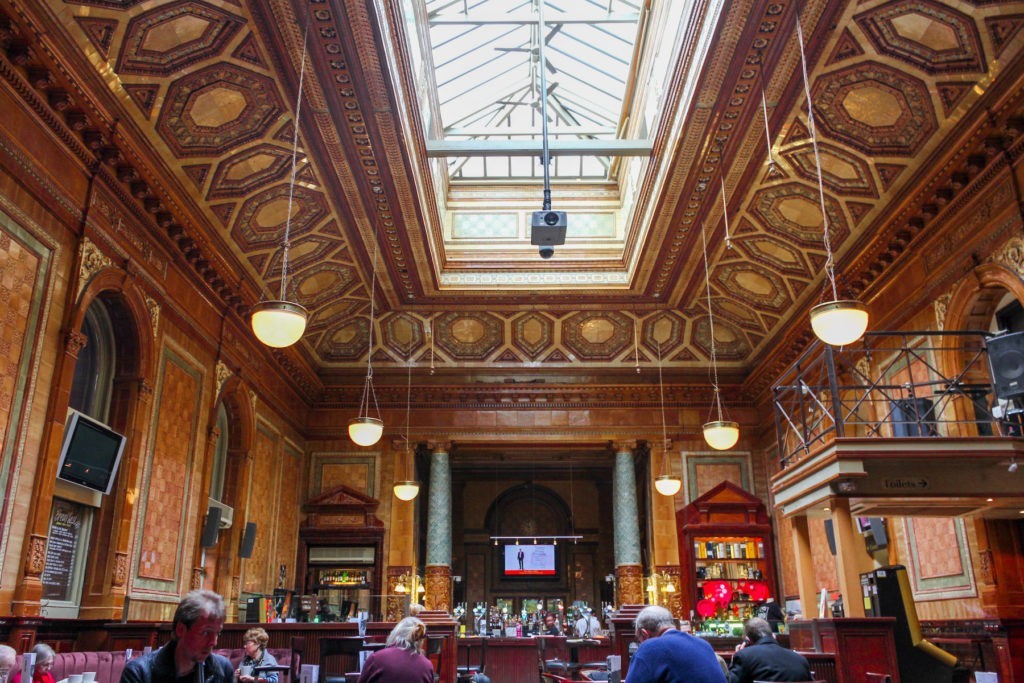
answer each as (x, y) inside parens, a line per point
(547, 229)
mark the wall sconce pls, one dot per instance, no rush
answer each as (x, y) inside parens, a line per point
(400, 584)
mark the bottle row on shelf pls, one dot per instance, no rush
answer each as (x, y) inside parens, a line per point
(344, 577)
(740, 549)
(729, 571)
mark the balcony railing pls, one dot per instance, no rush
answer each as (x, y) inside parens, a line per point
(889, 385)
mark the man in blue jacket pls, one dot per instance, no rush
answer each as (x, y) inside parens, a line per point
(760, 658)
(667, 655)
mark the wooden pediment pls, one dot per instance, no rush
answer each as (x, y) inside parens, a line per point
(342, 507)
(725, 503)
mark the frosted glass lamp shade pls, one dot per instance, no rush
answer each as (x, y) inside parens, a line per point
(839, 322)
(721, 434)
(668, 484)
(278, 323)
(365, 431)
(406, 490)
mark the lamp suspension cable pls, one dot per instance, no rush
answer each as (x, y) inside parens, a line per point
(773, 169)
(725, 215)
(720, 434)
(837, 322)
(545, 158)
(636, 345)
(408, 488)
(364, 429)
(666, 483)
(281, 323)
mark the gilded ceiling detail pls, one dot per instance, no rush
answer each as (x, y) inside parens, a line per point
(212, 86)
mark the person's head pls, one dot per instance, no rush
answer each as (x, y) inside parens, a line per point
(415, 608)
(254, 641)
(197, 624)
(7, 660)
(549, 619)
(44, 656)
(652, 621)
(756, 628)
(407, 634)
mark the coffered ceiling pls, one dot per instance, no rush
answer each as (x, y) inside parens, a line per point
(204, 94)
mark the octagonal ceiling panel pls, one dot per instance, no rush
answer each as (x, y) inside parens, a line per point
(173, 36)
(262, 218)
(403, 334)
(304, 252)
(346, 342)
(874, 108)
(730, 342)
(321, 282)
(772, 252)
(533, 333)
(332, 314)
(249, 170)
(932, 37)
(738, 313)
(793, 211)
(473, 335)
(752, 283)
(666, 329)
(208, 112)
(842, 171)
(593, 336)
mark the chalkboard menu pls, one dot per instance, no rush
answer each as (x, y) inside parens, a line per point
(65, 532)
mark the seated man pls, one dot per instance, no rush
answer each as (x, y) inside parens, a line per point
(667, 655)
(197, 625)
(760, 658)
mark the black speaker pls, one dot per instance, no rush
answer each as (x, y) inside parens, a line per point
(878, 532)
(248, 540)
(830, 534)
(1006, 363)
(211, 530)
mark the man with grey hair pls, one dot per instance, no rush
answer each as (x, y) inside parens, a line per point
(189, 656)
(7, 659)
(667, 655)
(760, 658)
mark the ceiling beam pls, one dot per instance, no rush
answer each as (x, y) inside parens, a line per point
(530, 19)
(527, 148)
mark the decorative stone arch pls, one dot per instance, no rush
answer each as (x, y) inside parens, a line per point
(225, 576)
(134, 319)
(548, 511)
(972, 303)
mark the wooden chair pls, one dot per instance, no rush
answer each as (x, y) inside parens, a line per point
(464, 672)
(877, 678)
(340, 647)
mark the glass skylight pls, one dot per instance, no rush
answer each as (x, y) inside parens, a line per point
(486, 58)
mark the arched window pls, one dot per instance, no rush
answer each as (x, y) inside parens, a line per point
(220, 455)
(71, 518)
(94, 371)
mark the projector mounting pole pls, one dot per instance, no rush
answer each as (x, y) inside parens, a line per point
(545, 156)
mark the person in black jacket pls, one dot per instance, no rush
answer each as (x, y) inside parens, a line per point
(760, 658)
(189, 657)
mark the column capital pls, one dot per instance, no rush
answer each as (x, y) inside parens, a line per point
(440, 446)
(625, 446)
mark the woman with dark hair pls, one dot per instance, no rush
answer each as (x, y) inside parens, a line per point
(402, 661)
(254, 643)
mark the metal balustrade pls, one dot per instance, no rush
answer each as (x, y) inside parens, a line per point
(890, 385)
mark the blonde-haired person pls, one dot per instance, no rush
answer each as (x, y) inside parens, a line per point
(254, 643)
(402, 661)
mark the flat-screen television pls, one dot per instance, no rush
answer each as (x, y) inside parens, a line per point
(530, 560)
(90, 454)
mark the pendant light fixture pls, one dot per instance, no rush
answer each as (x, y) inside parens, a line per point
(280, 323)
(720, 434)
(366, 430)
(840, 321)
(667, 484)
(408, 488)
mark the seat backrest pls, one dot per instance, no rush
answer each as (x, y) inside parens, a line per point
(877, 678)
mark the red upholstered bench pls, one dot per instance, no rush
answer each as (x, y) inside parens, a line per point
(107, 665)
